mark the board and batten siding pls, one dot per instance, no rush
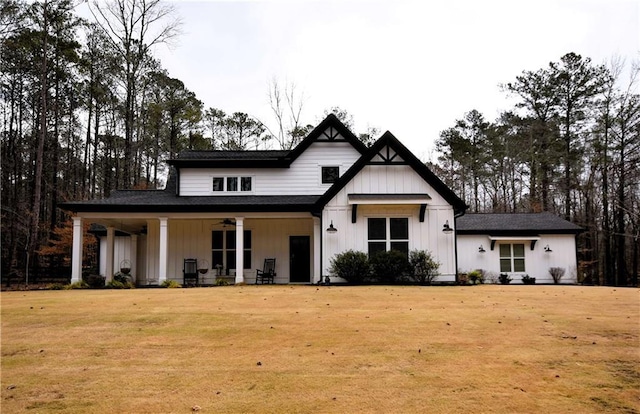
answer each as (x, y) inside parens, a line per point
(303, 177)
(390, 179)
(191, 238)
(122, 251)
(537, 262)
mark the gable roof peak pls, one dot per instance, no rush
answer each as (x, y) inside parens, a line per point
(330, 121)
(388, 139)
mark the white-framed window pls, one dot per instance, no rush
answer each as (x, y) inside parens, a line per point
(232, 184)
(223, 250)
(218, 184)
(388, 233)
(329, 174)
(512, 257)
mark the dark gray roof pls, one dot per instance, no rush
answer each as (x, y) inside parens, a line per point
(235, 155)
(165, 201)
(266, 158)
(516, 223)
(231, 159)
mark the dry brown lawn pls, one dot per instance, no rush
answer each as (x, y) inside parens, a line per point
(307, 349)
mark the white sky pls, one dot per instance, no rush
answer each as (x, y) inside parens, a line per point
(410, 67)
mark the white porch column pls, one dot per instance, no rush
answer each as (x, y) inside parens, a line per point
(76, 253)
(133, 254)
(111, 232)
(317, 235)
(239, 250)
(163, 254)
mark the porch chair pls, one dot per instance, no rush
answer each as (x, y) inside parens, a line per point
(190, 272)
(268, 272)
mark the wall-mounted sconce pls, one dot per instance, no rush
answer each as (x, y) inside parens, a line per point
(446, 229)
(547, 249)
(481, 249)
(331, 229)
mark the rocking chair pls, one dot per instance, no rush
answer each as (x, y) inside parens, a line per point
(268, 272)
(190, 272)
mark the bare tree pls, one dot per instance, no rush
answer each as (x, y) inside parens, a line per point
(133, 28)
(287, 104)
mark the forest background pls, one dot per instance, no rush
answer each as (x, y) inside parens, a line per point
(86, 108)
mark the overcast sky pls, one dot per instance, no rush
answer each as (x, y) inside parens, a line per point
(410, 67)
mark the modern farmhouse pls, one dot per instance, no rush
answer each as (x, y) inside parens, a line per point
(228, 214)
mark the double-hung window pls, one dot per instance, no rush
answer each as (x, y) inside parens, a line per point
(223, 250)
(388, 234)
(512, 257)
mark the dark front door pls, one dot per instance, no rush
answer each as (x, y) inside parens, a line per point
(299, 259)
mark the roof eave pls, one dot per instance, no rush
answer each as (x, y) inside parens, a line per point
(229, 163)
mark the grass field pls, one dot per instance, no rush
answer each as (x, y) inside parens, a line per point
(304, 349)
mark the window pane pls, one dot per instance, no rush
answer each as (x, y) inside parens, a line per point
(505, 265)
(216, 259)
(330, 174)
(399, 228)
(247, 259)
(247, 239)
(376, 247)
(518, 250)
(232, 183)
(231, 239)
(218, 184)
(245, 183)
(231, 259)
(401, 247)
(377, 228)
(505, 250)
(518, 265)
(216, 239)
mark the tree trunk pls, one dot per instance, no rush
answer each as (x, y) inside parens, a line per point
(37, 193)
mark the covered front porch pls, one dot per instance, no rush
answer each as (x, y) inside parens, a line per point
(155, 246)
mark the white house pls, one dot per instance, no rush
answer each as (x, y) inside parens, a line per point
(231, 210)
(518, 245)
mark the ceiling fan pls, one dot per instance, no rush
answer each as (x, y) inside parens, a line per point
(227, 222)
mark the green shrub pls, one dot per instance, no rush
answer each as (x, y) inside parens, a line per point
(351, 265)
(221, 282)
(76, 285)
(94, 280)
(504, 279)
(123, 278)
(424, 269)
(116, 284)
(171, 284)
(389, 267)
(55, 286)
(475, 276)
(528, 280)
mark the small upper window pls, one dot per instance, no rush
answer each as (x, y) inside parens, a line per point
(330, 175)
(232, 183)
(218, 184)
(245, 183)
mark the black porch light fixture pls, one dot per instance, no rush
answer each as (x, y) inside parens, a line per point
(446, 229)
(331, 229)
(547, 249)
(481, 249)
